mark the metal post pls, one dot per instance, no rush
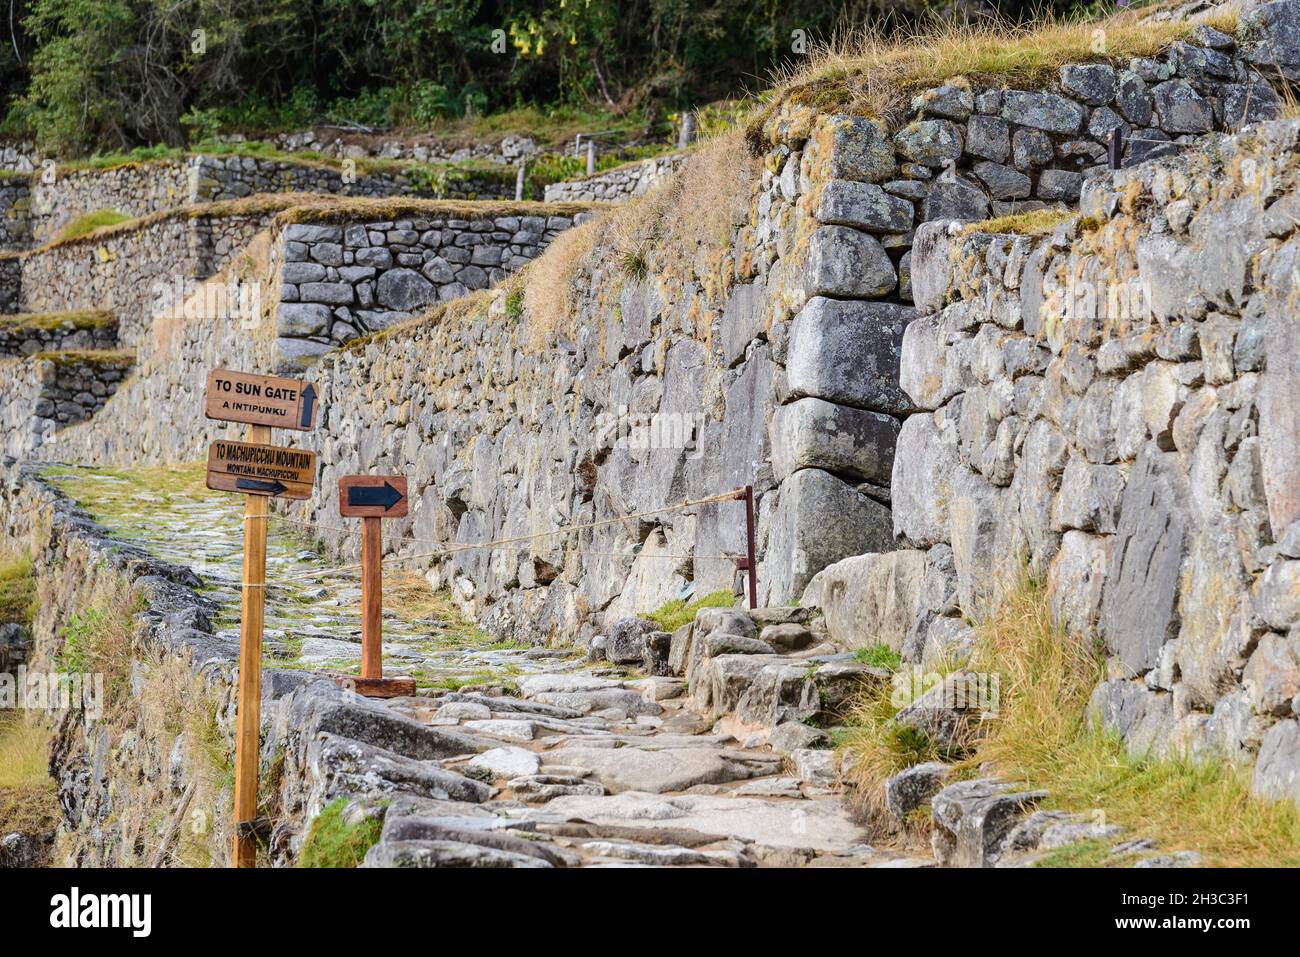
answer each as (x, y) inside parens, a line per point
(591, 157)
(519, 183)
(749, 563)
(1115, 148)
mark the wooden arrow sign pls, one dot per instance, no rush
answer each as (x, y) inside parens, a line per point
(260, 400)
(269, 470)
(373, 496)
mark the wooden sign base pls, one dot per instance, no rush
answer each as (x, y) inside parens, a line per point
(379, 687)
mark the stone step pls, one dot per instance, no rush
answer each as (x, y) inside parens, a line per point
(25, 334)
(48, 391)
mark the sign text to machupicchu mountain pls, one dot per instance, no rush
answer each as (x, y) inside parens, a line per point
(260, 469)
(372, 496)
(260, 400)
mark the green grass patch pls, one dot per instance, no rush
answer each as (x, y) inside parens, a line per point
(28, 795)
(52, 321)
(17, 590)
(1036, 222)
(332, 842)
(672, 615)
(879, 656)
(87, 223)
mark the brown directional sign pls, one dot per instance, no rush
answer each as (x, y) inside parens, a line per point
(260, 400)
(260, 469)
(373, 496)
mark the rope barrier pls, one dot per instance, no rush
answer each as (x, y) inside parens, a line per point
(457, 548)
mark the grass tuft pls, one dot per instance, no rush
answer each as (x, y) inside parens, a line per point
(1042, 738)
(673, 614)
(879, 656)
(1036, 222)
(89, 222)
(17, 590)
(332, 842)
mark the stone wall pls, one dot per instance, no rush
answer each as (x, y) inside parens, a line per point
(19, 157)
(615, 185)
(15, 212)
(52, 390)
(138, 189)
(25, 335)
(1112, 407)
(339, 280)
(132, 269)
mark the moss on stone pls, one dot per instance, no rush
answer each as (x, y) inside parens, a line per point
(673, 614)
(100, 358)
(333, 842)
(1033, 223)
(81, 319)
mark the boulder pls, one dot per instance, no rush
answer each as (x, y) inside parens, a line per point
(848, 353)
(913, 788)
(869, 599)
(814, 433)
(819, 520)
(627, 640)
(972, 819)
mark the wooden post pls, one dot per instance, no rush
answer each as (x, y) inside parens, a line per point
(372, 588)
(249, 707)
(373, 498)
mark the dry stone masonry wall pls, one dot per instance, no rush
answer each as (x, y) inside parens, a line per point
(615, 185)
(337, 282)
(1112, 406)
(54, 390)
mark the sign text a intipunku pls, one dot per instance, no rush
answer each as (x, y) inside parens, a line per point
(260, 469)
(260, 400)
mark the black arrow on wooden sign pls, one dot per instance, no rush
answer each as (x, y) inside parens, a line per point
(255, 485)
(384, 495)
(308, 399)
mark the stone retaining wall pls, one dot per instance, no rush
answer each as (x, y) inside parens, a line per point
(15, 213)
(138, 189)
(24, 335)
(131, 271)
(615, 185)
(1112, 407)
(339, 281)
(52, 390)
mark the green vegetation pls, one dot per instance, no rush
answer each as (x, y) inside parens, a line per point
(879, 656)
(1033, 223)
(331, 842)
(672, 615)
(89, 222)
(113, 358)
(49, 321)
(1042, 739)
(17, 590)
(28, 795)
(82, 75)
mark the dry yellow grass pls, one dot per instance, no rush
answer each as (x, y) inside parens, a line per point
(1041, 738)
(872, 75)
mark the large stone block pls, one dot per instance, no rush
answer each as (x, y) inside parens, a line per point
(863, 206)
(1277, 771)
(869, 599)
(848, 263)
(1074, 581)
(848, 353)
(973, 525)
(1279, 417)
(925, 461)
(932, 265)
(1042, 111)
(819, 519)
(859, 149)
(1270, 37)
(813, 433)
(1139, 605)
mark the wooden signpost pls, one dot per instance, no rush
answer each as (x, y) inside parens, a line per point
(261, 471)
(372, 498)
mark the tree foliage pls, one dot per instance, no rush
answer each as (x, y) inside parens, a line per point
(112, 74)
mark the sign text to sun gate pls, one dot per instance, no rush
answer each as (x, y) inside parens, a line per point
(260, 400)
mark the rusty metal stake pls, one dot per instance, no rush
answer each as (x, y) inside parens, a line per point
(749, 563)
(1115, 148)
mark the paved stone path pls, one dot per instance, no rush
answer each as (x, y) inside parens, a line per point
(571, 763)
